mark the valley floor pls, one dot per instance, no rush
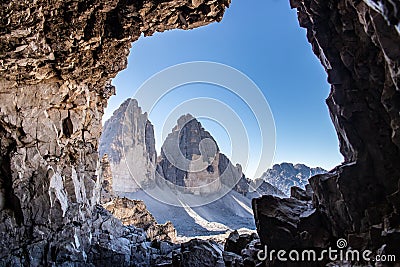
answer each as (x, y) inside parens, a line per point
(232, 211)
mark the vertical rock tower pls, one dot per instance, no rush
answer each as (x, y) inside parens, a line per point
(56, 60)
(128, 140)
(190, 159)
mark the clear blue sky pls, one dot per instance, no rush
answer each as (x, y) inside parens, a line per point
(263, 40)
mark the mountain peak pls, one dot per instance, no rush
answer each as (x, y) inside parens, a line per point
(285, 175)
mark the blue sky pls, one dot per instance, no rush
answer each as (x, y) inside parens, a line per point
(263, 40)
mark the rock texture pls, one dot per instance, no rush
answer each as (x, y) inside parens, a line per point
(106, 192)
(241, 250)
(285, 175)
(128, 140)
(264, 188)
(55, 63)
(134, 212)
(200, 253)
(358, 44)
(191, 161)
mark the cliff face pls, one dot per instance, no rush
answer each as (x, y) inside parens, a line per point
(190, 158)
(128, 140)
(285, 175)
(358, 44)
(56, 60)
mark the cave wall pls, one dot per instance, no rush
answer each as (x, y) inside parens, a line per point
(358, 43)
(57, 58)
(56, 61)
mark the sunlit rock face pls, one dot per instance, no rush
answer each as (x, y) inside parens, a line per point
(134, 212)
(191, 161)
(128, 139)
(189, 158)
(56, 60)
(106, 192)
(358, 44)
(285, 175)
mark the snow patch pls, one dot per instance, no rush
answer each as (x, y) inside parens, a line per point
(56, 191)
(77, 185)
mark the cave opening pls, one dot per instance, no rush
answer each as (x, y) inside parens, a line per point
(70, 48)
(269, 47)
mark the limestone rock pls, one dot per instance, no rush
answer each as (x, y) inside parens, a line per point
(358, 44)
(237, 242)
(107, 192)
(134, 212)
(285, 175)
(56, 60)
(300, 194)
(289, 223)
(191, 161)
(128, 140)
(201, 253)
(265, 188)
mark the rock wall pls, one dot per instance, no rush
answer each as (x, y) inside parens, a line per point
(286, 175)
(128, 139)
(107, 193)
(358, 43)
(190, 159)
(134, 212)
(56, 60)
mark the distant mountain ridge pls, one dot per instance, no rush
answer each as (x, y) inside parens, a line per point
(128, 140)
(285, 175)
(190, 158)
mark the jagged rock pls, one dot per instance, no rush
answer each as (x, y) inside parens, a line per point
(56, 62)
(191, 160)
(265, 188)
(358, 44)
(134, 212)
(285, 175)
(362, 68)
(232, 176)
(106, 191)
(128, 139)
(236, 242)
(244, 250)
(289, 223)
(200, 253)
(231, 259)
(300, 194)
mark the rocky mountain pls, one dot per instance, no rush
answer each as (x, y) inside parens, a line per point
(56, 63)
(128, 140)
(191, 160)
(285, 175)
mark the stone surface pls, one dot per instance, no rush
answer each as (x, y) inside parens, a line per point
(191, 161)
(134, 212)
(289, 223)
(264, 188)
(56, 61)
(201, 253)
(285, 175)
(106, 192)
(237, 242)
(358, 44)
(300, 194)
(128, 140)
